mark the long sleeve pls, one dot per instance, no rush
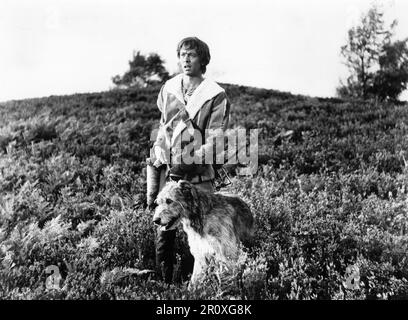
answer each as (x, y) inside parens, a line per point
(160, 99)
(217, 124)
(160, 133)
(159, 138)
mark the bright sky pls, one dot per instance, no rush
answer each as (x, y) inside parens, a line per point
(63, 47)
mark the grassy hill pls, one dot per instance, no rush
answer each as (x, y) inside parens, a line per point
(330, 197)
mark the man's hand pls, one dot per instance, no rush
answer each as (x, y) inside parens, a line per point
(159, 154)
(157, 163)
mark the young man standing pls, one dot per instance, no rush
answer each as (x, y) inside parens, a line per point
(187, 102)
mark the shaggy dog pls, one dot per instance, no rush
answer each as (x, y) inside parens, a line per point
(215, 223)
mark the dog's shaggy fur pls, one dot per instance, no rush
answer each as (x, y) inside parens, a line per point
(215, 223)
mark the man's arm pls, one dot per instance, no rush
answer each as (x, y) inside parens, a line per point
(217, 124)
(159, 142)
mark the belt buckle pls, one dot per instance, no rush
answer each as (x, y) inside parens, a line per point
(175, 177)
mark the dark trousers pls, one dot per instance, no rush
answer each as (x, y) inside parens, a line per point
(165, 250)
(165, 257)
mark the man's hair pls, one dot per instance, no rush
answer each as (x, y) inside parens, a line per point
(200, 46)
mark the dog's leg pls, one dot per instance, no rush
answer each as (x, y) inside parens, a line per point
(197, 271)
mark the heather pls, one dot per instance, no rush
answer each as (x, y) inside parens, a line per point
(330, 196)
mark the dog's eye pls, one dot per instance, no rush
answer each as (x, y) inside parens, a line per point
(169, 201)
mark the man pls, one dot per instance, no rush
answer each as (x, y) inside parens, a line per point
(189, 103)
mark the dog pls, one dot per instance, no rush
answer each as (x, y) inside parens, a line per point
(215, 223)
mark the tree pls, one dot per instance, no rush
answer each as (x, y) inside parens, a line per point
(392, 78)
(143, 71)
(362, 51)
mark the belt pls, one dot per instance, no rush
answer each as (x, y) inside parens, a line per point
(194, 179)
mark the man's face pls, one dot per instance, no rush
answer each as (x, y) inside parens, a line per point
(190, 62)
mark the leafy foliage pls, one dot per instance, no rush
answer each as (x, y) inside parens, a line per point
(143, 71)
(378, 67)
(392, 78)
(331, 196)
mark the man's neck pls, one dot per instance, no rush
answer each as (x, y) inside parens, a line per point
(190, 81)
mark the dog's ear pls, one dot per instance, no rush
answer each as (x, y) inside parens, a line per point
(192, 198)
(188, 189)
(184, 184)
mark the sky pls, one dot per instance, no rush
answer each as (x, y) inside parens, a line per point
(52, 47)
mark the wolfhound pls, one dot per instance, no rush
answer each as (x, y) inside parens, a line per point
(215, 223)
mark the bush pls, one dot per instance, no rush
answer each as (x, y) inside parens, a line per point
(328, 199)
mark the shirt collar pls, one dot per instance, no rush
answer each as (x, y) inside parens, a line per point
(205, 91)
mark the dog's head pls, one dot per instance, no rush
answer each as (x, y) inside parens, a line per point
(173, 203)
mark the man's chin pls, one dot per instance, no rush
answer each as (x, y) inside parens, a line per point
(191, 73)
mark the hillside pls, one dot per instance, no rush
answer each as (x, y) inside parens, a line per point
(330, 197)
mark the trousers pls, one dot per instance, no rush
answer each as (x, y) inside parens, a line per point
(165, 249)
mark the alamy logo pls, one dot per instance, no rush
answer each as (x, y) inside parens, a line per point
(352, 278)
(235, 146)
(53, 281)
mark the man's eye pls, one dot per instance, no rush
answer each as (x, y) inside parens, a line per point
(169, 201)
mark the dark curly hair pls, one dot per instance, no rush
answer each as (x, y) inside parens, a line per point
(200, 46)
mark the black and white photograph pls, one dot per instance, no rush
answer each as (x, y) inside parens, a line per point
(195, 151)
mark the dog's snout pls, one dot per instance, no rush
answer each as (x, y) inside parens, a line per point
(156, 220)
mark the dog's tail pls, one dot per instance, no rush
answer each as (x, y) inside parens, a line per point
(247, 236)
(243, 221)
